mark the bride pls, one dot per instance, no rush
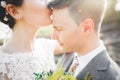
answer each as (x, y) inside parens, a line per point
(24, 55)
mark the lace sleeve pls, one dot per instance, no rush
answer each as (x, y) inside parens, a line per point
(4, 71)
(16, 67)
(21, 66)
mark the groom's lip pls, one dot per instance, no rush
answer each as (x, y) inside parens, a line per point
(61, 44)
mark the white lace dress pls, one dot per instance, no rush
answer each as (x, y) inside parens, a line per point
(21, 66)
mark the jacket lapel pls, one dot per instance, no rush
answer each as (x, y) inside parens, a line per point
(66, 61)
(100, 62)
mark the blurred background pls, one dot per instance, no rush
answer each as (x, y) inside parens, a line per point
(110, 31)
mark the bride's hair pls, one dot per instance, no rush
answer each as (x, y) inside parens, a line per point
(4, 16)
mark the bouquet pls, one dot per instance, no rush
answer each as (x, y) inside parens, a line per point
(59, 74)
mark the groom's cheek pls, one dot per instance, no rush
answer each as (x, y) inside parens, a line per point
(55, 35)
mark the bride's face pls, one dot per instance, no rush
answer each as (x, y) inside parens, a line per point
(35, 12)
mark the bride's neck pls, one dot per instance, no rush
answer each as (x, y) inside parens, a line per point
(22, 39)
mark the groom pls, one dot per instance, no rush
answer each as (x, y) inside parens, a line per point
(76, 26)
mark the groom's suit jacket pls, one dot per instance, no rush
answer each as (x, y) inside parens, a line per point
(101, 67)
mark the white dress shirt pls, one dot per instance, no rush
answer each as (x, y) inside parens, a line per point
(84, 60)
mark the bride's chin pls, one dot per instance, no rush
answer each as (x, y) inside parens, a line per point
(49, 22)
(46, 24)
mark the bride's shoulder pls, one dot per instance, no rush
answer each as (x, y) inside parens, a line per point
(2, 52)
(48, 43)
(42, 40)
(1, 49)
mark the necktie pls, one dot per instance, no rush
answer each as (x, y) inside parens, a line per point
(74, 64)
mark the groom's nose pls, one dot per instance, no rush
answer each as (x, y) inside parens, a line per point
(55, 34)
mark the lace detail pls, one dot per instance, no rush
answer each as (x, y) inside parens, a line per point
(21, 66)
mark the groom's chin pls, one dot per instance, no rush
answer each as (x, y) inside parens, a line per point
(68, 51)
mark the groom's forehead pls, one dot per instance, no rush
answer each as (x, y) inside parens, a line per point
(60, 13)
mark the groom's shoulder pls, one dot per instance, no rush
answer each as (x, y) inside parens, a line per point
(106, 67)
(103, 61)
(102, 67)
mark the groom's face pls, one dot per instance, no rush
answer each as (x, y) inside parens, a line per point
(67, 32)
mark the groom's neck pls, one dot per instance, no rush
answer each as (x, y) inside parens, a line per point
(88, 46)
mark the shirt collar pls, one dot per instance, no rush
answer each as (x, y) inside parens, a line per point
(85, 59)
(90, 55)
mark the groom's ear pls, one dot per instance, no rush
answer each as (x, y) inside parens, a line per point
(88, 25)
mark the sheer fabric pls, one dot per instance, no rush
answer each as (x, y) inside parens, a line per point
(21, 66)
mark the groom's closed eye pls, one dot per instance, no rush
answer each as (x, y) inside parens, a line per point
(58, 28)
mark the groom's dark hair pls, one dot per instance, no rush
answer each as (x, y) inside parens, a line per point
(82, 9)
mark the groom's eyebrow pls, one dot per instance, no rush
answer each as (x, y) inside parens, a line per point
(56, 27)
